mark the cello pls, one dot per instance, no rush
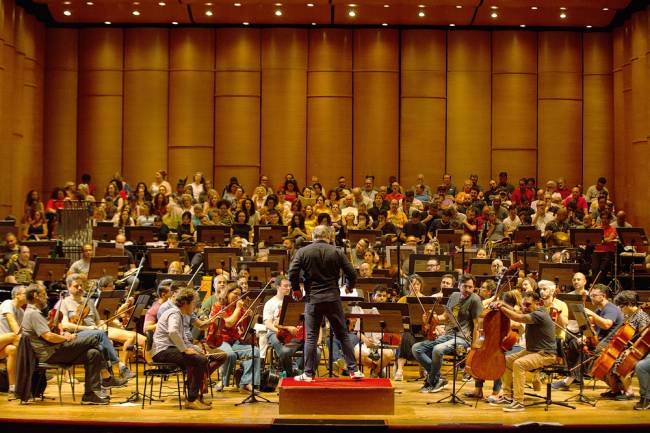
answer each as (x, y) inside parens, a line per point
(488, 361)
(605, 362)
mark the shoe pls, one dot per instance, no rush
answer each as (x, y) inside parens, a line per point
(515, 406)
(442, 384)
(610, 395)
(501, 401)
(114, 382)
(11, 396)
(474, 394)
(204, 401)
(196, 405)
(493, 399)
(127, 374)
(218, 387)
(357, 375)
(93, 398)
(560, 385)
(467, 377)
(303, 378)
(399, 376)
(624, 397)
(340, 365)
(642, 404)
(426, 389)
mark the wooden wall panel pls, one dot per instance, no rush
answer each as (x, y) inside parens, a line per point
(99, 137)
(146, 84)
(560, 107)
(376, 90)
(598, 111)
(329, 105)
(619, 128)
(468, 103)
(60, 128)
(6, 98)
(191, 103)
(423, 104)
(514, 104)
(237, 107)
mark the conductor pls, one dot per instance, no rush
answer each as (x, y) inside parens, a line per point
(320, 265)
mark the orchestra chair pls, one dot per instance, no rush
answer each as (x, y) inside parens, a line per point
(557, 369)
(162, 371)
(61, 370)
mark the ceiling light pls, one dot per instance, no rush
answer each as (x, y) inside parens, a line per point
(562, 8)
(108, 23)
(352, 5)
(162, 4)
(452, 25)
(245, 23)
(384, 24)
(136, 13)
(278, 4)
(352, 13)
(313, 24)
(589, 26)
(237, 4)
(208, 4)
(605, 9)
(522, 25)
(386, 6)
(534, 8)
(175, 23)
(494, 7)
(422, 6)
(459, 6)
(494, 15)
(209, 13)
(563, 15)
(67, 13)
(136, 3)
(421, 14)
(278, 13)
(90, 3)
(67, 2)
(310, 5)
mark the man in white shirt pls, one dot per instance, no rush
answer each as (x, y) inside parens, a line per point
(11, 316)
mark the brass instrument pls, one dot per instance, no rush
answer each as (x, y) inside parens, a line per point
(436, 246)
(488, 246)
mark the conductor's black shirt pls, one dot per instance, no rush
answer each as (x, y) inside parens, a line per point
(321, 265)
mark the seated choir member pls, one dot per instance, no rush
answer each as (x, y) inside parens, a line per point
(372, 357)
(171, 345)
(232, 328)
(466, 307)
(11, 316)
(541, 349)
(90, 323)
(66, 348)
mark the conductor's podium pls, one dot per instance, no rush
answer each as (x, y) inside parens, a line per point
(337, 396)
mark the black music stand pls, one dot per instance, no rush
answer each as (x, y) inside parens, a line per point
(432, 282)
(292, 312)
(560, 273)
(355, 235)
(386, 320)
(448, 237)
(527, 236)
(584, 330)
(103, 249)
(270, 234)
(588, 237)
(6, 227)
(103, 266)
(631, 237)
(139, 309)
(105, 231)
(481, 266)
(418, 263)
(160, 258)
(259, 271)
(405, 252)
(220, 258)
(108, 303)
(46, 269)
(281, 257)
(140, 235)
(212, 235)
(365, 286)
(40, 248)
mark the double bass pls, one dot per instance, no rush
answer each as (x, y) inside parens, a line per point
(488, 361)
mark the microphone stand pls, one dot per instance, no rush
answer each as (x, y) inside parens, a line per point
(135, 396)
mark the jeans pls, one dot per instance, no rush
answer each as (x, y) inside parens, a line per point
(285, 353)
(337, 347)
(237, 350)
(84, 350)
(429, 354)
(642, 369)
(314, 314)
(196, 366)
(105, 344)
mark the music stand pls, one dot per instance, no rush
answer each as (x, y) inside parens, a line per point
(140, 235)
(530, 259)
(109, 302)
(213, 235)
(418, 263)
(46, 269)
(560, 273)
(138, 311)
(260, 271)
(448, 237)
(102, 266)
(526, 235)
(586, 237)
(355, 235)
(103, 249)
(631, 237)
(105, 231)
(432, 281)
(279, 256)
(40, 248)
(175, 277)
(415, 310)
(270, 234)
(160, 258)
(480, 266)
(385, 320)
(584, 330)
(220, 258)
(404, 253)
(365, 286)
(6, 227)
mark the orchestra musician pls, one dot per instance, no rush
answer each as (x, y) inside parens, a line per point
(605, 320)
(372, 357)
(151, 317)
(466, 307)
(11, 317)
(82, 266)
(66, 348)
(540, 349)
(20, 269)
(171, 345)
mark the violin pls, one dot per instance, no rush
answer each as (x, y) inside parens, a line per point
(81, 312)
(430, 322)
(55, 316)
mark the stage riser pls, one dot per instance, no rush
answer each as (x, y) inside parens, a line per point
(337, 401)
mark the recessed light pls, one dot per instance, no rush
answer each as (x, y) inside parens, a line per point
(534, 8)
(494, 7)
(278, 13)
(245, 23)
(422, 6)
(278, 4)
(352, 13)
(67, 13)
(236, 4)
(352, 5)
(209, 13)
(67, 2)
(136, 3)
(452, 25)
(522, 25)
(162, 4)
(208, 4)
(563, 15)
(605, 9)
(108, 23)
(90, 3)
(421, 14)
(562, 8)
(136, 13)
(310, 5)
(384, 24)
(589, 26)
(459, 6)
(313, 24)
(175, 23)
(386, 6)
(494, 15)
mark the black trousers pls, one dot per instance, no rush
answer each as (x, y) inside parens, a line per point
(84, 350)
(196, 366)
(314, 314)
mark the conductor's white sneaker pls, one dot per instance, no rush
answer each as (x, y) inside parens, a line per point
(303, 378)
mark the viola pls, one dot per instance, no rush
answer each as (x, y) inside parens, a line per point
(54, 318)
(285, 336)
(81, 312)
(636, 353)
(605, 362)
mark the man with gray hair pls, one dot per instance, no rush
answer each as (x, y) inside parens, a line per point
(11, 317)
(319, 266)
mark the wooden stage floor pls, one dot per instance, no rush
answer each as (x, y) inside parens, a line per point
(411, 413)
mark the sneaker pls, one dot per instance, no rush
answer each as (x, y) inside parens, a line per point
(467, 377)
(610, 395)
(196, 405)
(493, 399)
(357, 375)
(218, 387)
(127, 374)
(643, 404)
(624, 397)
(426, 389)
(515, 406)
(303, 378)
(442, 384)
(501, 401)
(114, 382)
(560, 385)
(93, 398)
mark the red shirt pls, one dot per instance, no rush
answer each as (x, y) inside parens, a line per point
(609, 247)
(517, 195)
(229, 335)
